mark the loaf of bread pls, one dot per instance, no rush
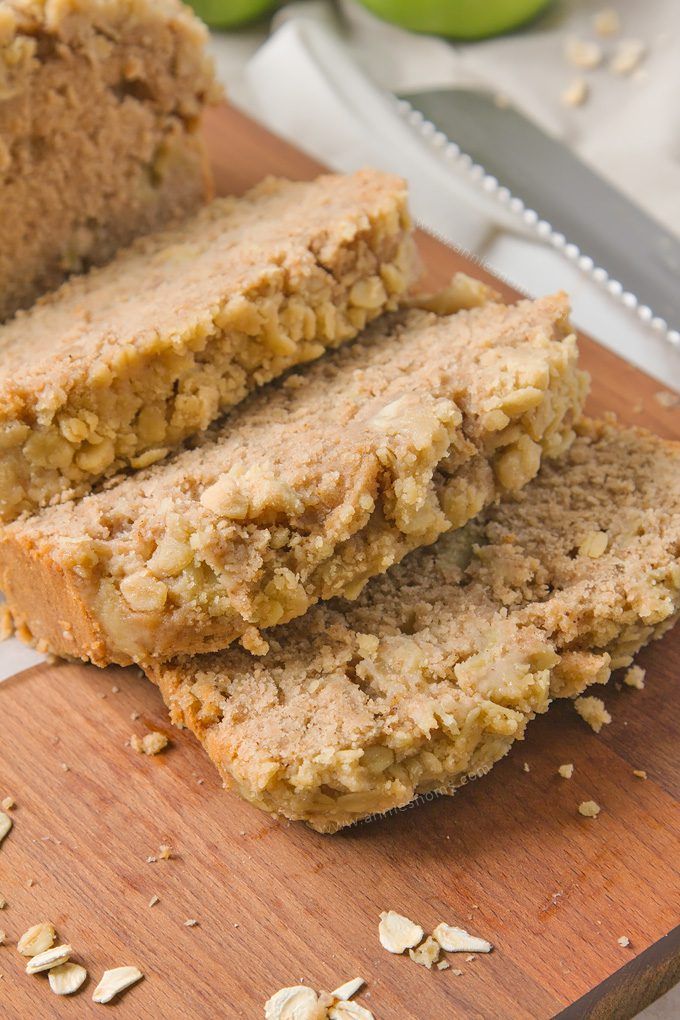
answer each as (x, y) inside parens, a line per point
(121, 364)
(430, 676)
(99, 114)
(305, 491)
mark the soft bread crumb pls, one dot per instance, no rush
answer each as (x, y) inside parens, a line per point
(150, 743)
(566, 771)
(589, 809)
(593, 712)
(635, 677)
(427, 953)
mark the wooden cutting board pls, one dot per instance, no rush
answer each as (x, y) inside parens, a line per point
(508, 858)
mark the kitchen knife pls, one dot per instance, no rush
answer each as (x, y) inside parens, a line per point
(610, 237)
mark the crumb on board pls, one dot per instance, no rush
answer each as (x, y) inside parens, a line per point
(640, 773)
(593, 712)
(623, 940)
(635, 677)
(150, 743)
(566, 771)
(427, 953)
(589, 809)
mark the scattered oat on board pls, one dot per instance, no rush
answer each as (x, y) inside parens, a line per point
(348, 989)
(67, 978)
(5, 825)
(298, 1001)
(114, 982)
(154, 900)
(640, 773)
(37, 939)
(397, 933)
(50, 958)
(457, 940)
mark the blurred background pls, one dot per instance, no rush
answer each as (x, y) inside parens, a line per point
(601, 78)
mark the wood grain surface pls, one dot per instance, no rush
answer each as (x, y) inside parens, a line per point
(508, 857)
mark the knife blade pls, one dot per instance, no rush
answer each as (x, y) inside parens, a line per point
(612, 238)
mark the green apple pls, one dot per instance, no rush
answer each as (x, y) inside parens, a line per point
(460, 19)
(231, 13)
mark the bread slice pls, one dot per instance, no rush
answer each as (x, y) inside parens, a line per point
(100, 103)
(306, 492)
(428, 678)
(121, 365)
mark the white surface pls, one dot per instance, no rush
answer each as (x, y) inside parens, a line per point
(305, 83)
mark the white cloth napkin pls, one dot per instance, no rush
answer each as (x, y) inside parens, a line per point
(323, 82)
